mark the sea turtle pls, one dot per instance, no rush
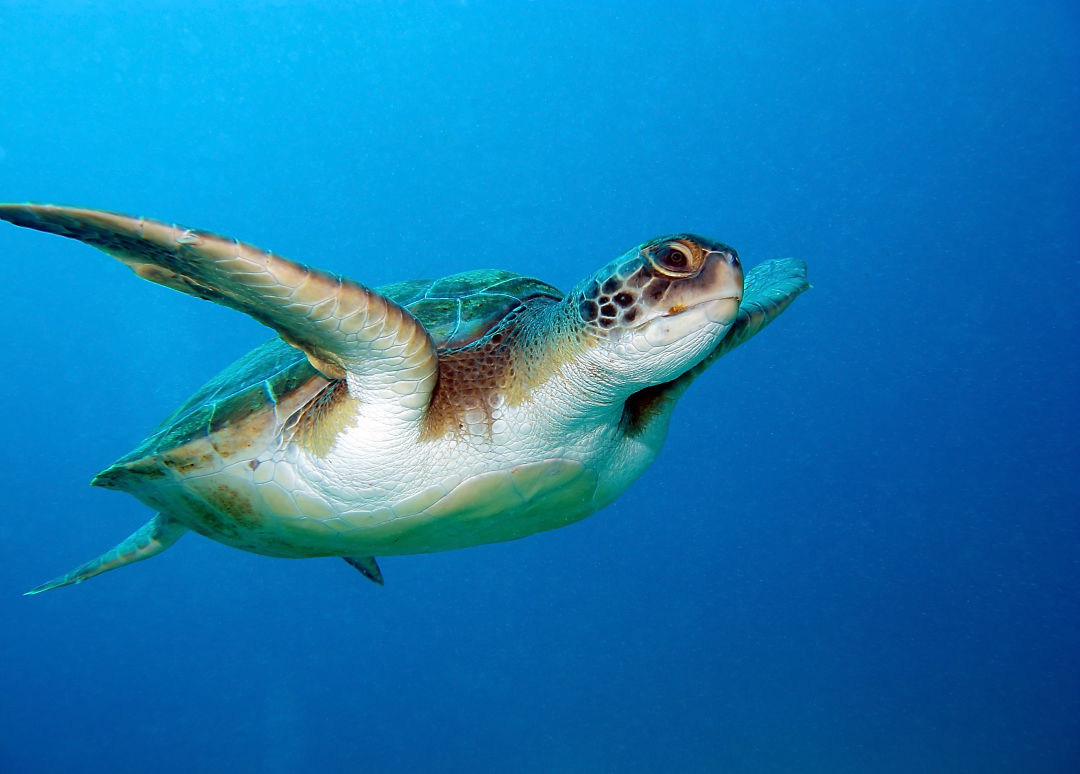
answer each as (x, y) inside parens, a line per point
(420, 416)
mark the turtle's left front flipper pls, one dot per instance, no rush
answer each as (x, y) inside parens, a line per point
(345, 329)
(768, 290)
(149, 540)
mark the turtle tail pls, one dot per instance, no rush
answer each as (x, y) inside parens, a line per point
(150, 539)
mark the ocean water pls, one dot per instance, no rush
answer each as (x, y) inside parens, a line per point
(860, 548)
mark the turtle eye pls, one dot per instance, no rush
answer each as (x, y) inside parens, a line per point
(674, 260)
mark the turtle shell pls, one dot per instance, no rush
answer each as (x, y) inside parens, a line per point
(456, 311)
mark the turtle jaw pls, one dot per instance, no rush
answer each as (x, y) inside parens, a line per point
(673, 325)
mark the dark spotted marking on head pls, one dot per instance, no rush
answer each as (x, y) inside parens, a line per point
(656, 289)
(616, 300)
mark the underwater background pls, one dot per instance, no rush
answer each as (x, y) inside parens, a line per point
(860, 548)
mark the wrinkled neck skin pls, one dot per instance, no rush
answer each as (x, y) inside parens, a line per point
(579, 386)
(623, 416)
(595, 383)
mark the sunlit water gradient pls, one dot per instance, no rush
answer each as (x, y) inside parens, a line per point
(859, 549)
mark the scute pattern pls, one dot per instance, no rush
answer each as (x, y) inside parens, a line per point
(459, 309)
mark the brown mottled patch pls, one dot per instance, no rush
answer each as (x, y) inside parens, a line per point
(235, 439)
(190, 458)
(209, 522)
(231, 439)
(233, 504)
(523, 350)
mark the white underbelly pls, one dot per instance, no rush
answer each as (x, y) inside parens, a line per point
(398, 499)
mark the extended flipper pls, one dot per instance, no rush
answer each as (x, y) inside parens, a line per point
(366, 565)
(149, 540)
(346, 330)
(768, 290)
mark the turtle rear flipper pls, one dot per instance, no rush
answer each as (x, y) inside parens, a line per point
(150, 539)
(367, 566)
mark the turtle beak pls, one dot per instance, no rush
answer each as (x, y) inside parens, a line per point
(727, 273)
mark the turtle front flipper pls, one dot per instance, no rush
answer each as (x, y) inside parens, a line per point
(345, 329)
(149, 540)
(768, 290)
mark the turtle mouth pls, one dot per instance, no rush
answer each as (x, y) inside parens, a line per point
(711, 306)
(680, 321)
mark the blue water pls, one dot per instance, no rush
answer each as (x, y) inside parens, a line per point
(860, 548)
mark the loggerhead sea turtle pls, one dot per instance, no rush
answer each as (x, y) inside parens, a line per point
(420, 416)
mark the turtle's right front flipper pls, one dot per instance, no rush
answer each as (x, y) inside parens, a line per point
(149, 540)
(345, 329)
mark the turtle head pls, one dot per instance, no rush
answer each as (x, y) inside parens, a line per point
(658, 309)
